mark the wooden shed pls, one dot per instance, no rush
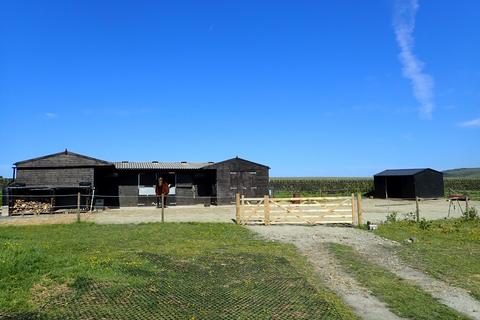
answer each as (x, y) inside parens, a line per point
(59, 175)
(409, 183)
(241, 176)
(125, 183)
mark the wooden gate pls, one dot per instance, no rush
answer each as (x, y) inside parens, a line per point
(309, 210)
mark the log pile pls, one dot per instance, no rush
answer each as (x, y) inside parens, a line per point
(35, 207)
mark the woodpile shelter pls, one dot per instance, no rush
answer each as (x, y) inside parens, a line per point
(409, 183)
(58, 177)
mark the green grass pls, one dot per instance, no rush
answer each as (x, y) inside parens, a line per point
(174, 271)
(401, 297)
(449, 250)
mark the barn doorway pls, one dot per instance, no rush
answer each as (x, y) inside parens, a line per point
(244, 182)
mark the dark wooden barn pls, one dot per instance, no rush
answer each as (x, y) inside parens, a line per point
(125, 183)
(59, 176)
(240, 176)
(409, 183)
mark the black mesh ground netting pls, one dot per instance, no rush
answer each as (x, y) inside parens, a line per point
(215, 286)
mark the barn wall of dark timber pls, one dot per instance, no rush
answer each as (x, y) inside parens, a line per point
(54, 177)
(240, 176)
(429, 184)
(128, 188)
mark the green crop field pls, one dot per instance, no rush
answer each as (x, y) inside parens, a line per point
(323, 186)
(156, 271)
(311, 186)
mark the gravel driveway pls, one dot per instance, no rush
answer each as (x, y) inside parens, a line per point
(311, 241)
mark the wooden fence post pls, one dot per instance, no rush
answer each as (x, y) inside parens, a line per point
(78, 206)
(353, 210)
(466, 204)
(242, 206)
(266, 210)
(417, 210)
(359, 209)
(237, 208)
(163, 207)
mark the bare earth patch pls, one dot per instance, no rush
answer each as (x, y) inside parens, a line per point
(311, 242)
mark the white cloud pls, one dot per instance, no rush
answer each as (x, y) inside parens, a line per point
(404, 24)
(51, 115)
(471, 123)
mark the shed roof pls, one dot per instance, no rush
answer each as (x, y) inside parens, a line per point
(158, 165)
(402, 172)
(64, 158)
(239, 159)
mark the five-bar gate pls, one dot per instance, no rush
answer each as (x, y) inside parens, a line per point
(303, 210)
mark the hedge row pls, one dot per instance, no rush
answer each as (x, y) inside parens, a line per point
(354, 185)
(323, 185)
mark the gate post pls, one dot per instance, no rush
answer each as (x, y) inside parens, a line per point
(78, 207)
(266, 210)
(237, 208)
(359, 209)
(417, 209)
(353, 210)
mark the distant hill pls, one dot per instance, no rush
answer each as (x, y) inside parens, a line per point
(462, 173)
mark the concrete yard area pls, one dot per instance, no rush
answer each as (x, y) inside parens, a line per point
(375, 210)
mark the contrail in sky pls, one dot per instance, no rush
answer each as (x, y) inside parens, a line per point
(404, 24)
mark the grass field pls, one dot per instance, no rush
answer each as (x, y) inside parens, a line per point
(448, 250)
(401, 297)
(167, 271)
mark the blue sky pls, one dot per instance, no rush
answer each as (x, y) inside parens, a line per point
(311, 88)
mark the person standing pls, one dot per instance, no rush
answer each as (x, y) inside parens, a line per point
(162, 188)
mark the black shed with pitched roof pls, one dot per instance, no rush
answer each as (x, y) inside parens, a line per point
(409, 183)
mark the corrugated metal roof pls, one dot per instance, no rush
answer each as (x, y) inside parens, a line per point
(124, 165)
(401, 172)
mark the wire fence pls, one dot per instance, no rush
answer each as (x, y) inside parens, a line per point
(375, 209)
(21, 204)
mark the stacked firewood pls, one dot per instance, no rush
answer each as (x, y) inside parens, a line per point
(35, 207)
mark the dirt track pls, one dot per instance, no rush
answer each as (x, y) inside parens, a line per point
(311, 240)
